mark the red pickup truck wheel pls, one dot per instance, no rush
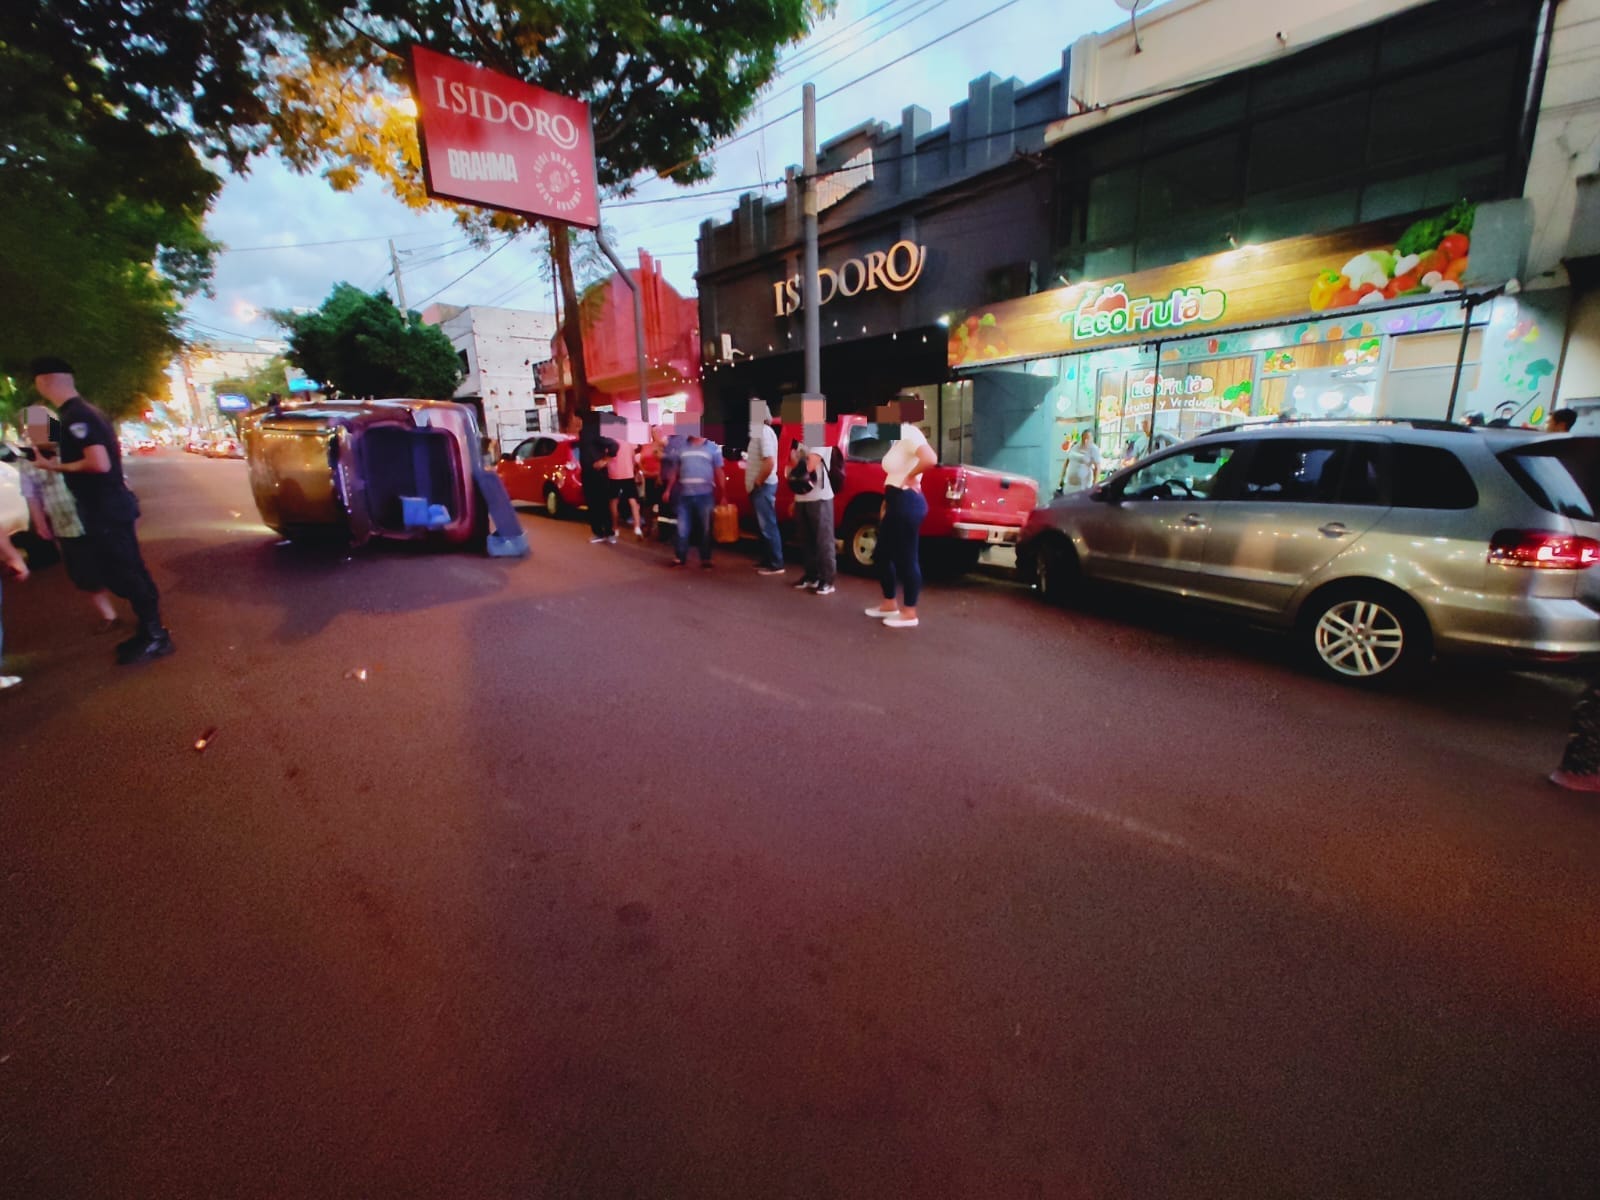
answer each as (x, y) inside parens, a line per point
(860, 535)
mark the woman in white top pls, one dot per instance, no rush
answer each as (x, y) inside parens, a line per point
(1083, 464)
(900, 524)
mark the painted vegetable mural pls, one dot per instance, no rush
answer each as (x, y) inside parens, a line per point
(1429, 258)
(977, 337)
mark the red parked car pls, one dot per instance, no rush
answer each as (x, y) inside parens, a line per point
(544, 470)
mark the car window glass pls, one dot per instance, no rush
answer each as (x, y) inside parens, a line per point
(1563, 477)
(1431, 477)
(543, 447)
(523, 451)
(1365, 479)
(867, 443)
(1190, 475)
(1293, 471)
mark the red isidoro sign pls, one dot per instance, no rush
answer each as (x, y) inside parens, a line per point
(493, 140)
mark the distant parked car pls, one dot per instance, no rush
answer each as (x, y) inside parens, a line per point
(224, 447)
(1376, 543)
(544, 470)
(353, 471)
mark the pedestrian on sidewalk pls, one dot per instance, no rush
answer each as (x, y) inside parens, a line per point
(761, 481)
(693, 474)
(10, 557)
(55, 518)
(1083, 464)
(90, 457)
(809, 478)
(622, 471)
(1580, 762)
(650, 456)
(900, 520)
(595, 451)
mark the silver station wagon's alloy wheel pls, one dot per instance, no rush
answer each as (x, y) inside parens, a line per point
(1366, 636)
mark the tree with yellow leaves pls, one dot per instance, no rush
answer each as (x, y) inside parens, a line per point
(664, 81)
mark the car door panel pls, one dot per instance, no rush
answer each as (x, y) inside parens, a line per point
(1296, 508)
(1152, 528)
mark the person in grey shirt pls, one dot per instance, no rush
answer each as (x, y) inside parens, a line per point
(813, 504)
(692, 470)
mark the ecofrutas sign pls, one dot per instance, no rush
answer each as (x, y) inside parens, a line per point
(1112, 311)
(1357, 269)
(894, 269)
(492, 140)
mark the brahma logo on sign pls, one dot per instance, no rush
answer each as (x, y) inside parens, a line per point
(493, 140)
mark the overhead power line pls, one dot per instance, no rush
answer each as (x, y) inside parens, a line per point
(511, 237)
(377, 237)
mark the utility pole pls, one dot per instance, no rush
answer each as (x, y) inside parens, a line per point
(810, 283)
(399, 286)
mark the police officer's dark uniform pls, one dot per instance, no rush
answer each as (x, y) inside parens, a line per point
(593, 449)
(108, 510)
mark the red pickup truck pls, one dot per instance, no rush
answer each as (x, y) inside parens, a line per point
(968, 507)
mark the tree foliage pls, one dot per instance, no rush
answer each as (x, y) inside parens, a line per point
(664, 80)
(140, 75)
(361, 344)
(103, 193)
(85, 283)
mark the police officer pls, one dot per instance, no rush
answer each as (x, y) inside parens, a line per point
(91, 459)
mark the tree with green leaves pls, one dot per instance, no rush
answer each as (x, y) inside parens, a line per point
(664, 81)
(103, 192)
(361, 344)
(259, 385)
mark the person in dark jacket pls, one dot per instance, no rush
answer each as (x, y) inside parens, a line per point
(90, 457)
(595, 452)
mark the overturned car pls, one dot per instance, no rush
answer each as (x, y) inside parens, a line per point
(353, 471)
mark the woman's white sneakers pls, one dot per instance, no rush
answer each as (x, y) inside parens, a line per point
(892, 618)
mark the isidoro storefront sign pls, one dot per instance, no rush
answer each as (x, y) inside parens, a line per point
(894, 269)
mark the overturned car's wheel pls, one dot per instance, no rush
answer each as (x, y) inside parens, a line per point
(552, 502)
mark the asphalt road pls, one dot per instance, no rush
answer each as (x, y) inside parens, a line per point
(609, 880)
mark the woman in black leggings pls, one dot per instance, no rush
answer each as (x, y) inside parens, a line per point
(900, 523)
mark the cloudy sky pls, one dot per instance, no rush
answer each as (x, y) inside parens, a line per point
(291, 238)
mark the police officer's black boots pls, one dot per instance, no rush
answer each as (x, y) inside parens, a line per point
(149, 643)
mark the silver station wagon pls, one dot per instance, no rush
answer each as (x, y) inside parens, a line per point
(1378, 543)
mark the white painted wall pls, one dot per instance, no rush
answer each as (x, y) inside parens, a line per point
(1580, 368)
(1187, 40)
(1566, 142)
(502, 344)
